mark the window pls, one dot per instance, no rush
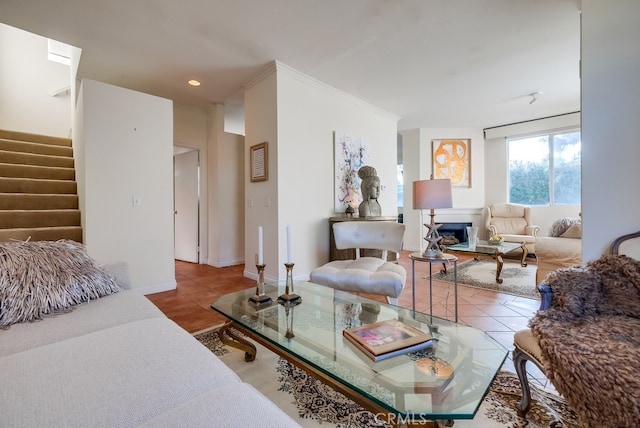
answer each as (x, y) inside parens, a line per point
(545, 169)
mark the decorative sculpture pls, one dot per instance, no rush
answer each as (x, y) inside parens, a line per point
(370, 188)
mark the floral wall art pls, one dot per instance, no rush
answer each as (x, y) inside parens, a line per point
(350, 154)
(452, 159)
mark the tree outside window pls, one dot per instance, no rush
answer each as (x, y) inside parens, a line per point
(545, 169)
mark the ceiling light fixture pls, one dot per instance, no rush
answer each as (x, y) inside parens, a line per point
(193, 82)
(534, 97)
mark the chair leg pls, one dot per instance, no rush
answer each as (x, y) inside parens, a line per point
(392, 300)
(520, 361)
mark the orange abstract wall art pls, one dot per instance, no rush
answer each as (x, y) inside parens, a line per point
(452, 160)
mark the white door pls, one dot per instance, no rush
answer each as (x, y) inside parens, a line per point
(186, 203)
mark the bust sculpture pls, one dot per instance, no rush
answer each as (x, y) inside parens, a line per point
(370, 188)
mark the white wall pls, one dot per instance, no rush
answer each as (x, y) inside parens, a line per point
(297, 116)
(127, 150)
(222, 182)
(261, 124)
(225, 162)
(417, 161)
(190, 131)
(26, 80)
(610, 125)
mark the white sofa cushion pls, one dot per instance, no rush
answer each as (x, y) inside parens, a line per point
(105, 312)
(554, 253)
(238, 404)
(120, 376)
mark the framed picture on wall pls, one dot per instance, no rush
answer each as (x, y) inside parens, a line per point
(452, 160)
(259, 162)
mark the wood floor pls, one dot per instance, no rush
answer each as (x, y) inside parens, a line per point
(499, 315)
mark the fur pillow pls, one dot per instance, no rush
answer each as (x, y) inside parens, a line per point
(560, 226)
(45, 277)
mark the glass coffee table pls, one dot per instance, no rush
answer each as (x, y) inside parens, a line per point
(444, 382)
(494, 251)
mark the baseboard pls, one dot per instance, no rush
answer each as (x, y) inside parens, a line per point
(225, 263)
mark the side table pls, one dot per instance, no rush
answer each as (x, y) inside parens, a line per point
(443, 260)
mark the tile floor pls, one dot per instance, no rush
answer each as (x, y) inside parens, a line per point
(499, 315)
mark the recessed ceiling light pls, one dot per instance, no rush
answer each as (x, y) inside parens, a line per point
(193, 82)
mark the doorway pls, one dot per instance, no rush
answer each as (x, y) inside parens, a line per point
(186, 203)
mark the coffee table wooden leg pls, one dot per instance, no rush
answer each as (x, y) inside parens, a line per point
(229, 337)
(499, 263)
(525, 253)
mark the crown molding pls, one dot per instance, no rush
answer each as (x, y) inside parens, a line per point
(278, 67)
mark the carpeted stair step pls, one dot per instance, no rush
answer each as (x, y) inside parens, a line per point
(35, 159)
(33, 185)
(29, 201)
(35, 171)
(38, 192)
(35, 138)
(42, 234)
(35, 148)
(17, 219)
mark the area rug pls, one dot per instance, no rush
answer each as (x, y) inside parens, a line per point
(516, 280)
(311, 403)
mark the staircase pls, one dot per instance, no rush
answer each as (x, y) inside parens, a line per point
(38, 191)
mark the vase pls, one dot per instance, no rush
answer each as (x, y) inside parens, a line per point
(472, 234)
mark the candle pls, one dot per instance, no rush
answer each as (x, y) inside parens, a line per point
(260, 261)
(288, 245)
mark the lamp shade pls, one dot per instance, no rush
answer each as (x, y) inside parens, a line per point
(429, 194)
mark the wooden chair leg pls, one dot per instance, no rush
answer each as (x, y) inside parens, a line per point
(392, 300)
(520, 361)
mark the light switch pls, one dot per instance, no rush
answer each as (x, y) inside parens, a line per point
(136, 201)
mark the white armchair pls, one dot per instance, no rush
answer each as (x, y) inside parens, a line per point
(371, 275)
(513, 223)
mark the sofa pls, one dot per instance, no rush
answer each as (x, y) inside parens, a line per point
(85, 353)
(562, 249)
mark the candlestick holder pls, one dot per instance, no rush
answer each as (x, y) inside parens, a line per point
(260, 298)
(289, 295)
(288, 307)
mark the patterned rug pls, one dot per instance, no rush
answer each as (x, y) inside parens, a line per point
(313, 404)
(516, 280)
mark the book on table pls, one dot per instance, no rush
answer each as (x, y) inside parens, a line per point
(386, 339)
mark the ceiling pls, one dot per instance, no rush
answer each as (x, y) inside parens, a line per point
(434, 63)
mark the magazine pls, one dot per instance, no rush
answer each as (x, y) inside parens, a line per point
(387, 339)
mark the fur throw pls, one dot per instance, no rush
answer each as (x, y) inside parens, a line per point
(590, 340)
(44, 277)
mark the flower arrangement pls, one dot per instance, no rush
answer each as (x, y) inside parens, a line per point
(496, 240)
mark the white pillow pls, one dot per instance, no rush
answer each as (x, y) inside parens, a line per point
(574, 231)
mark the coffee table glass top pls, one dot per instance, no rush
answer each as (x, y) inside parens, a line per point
(483, 247)
(412, 385)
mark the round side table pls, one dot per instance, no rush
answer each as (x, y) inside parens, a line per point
(442, 259)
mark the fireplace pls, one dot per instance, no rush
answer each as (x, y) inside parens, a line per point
(453, 233)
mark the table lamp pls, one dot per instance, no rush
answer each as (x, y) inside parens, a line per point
(432, 194)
